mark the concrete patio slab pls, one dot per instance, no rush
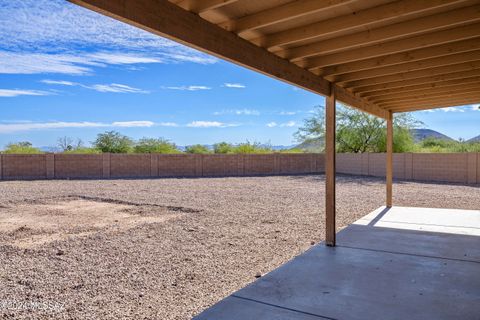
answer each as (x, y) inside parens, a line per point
(375, 272)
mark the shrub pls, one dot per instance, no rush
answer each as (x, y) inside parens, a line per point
(197, 149)
(24, 147)
(150, 145)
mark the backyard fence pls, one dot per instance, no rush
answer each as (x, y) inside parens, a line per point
(445, 167)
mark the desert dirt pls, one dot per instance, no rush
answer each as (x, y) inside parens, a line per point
(169, 248)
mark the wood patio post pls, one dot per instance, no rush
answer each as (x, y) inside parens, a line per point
(330, 169)
(389, 165)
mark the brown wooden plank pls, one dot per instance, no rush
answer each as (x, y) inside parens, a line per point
(349, 21)
(457, 71)
(200, 6)
(404, 57)
(395, 46)
(278, 14)
(434, 98)
(389, 163)
(406, 67)
(330, 153)
(426, 93)
(398, 30)
(437, 105)
(421, 87)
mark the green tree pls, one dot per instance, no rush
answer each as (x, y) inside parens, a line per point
(114, 142)
(249, 147)
(151, 145)
(23, 147)
(222, 147)
(197, 149)
(359, 132)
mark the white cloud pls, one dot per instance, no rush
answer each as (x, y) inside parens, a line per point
(113, 87)
(188, 88)
(474, 107)
(273, 124)
(287, 113)
(288, 124)
(51, 36)
(246, 112)
(453, 109)
(59, 82)
(132, 124)
(210, 124)
(168, 124)
(29, 126)
(117, 88)
(18, 92)
(234, 85)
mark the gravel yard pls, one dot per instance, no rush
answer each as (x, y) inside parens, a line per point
(169, 248)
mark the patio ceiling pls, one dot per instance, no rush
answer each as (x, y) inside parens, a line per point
(379, 56)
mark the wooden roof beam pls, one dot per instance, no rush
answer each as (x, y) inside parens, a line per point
(407, 67)
(415, 55)
(417, 77)
(428, 93)
(432, 100)
(389, 32)
(289, 11)
(396, 46)
(421, 87)
(436, 105)
(171, 21)
(201, 6)
(349, 21)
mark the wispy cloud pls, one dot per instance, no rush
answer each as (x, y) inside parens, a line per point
(59, 82)
(18, 92)
(113, 87)
(210, 124)
(234, 85)
(168, 124)
(273, 124)
(117, 88)
(188, 88)
(51, 36)
(287, 113)
(29, 126)
(246, 112)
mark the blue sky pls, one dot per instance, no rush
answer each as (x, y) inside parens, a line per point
(66, 71)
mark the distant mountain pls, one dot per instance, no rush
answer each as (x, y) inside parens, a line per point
(311, 146)
(422, 134)
(474, 139)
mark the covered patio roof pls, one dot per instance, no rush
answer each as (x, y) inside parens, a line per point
(375, 55)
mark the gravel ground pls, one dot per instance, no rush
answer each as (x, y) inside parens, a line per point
(216, 236)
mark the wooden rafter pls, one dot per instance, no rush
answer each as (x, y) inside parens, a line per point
(386, 33)
(456, 71)
(445, 101)
(275, 15)
(428, 94)
(404, 57)
(201, 6)
(460, 101)
(407, 67)
(341, 23)
(395, 46)
(421, 87)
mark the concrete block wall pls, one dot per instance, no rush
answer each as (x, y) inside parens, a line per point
(436, 167)
(442, 167)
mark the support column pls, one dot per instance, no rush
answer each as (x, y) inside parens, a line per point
(330, 169)
(389, 165)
